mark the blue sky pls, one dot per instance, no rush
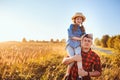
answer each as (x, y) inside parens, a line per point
(46, 19)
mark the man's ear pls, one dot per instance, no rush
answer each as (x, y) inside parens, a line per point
(91, 42)
(81, 41)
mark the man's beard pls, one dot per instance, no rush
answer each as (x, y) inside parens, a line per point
(86, 49)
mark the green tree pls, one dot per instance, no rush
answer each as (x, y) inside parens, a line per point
(111, 42)
(24, 40)
(51, 40)
(57, 41)
(97, 42)
(117, 42)
(63, 40)
(104, 40)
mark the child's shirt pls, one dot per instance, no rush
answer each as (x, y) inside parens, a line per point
(77, 33)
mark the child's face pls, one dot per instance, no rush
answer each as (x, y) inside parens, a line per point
(78, 20)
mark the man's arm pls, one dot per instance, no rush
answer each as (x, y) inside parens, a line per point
(82, 72)
(97, 69)
(94, 74)
(69, 60)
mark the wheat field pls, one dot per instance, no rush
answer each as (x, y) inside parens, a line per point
(42, 61)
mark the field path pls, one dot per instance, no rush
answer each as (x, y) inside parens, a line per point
(102, 50)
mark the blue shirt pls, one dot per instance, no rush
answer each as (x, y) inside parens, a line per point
(77, 33)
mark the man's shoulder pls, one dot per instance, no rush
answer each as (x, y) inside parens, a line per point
(94, 53)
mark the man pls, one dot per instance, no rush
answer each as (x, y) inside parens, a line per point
(90, 61)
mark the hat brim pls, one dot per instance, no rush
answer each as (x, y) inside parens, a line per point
(79, 16)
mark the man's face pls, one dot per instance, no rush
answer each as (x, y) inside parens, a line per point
(86, 42)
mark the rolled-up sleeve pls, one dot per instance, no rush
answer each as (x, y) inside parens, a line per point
(70, 33)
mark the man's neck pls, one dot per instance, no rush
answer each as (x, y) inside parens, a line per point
(85, 50)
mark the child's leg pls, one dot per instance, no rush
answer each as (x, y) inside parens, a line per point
(70, 52)
(68, 68)
(79, 64)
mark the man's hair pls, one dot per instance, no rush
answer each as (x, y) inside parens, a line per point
(88, 36)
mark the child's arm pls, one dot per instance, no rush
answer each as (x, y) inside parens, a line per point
(76, 38)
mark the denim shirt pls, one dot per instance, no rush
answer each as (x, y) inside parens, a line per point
(77, 33)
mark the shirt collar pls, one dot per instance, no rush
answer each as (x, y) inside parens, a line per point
(87, 52)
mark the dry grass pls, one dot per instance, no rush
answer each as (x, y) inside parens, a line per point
(42, 61)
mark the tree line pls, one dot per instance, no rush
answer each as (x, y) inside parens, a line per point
(108, 41)
(51, 40)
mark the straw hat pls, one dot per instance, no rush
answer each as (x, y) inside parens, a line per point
(78, 14)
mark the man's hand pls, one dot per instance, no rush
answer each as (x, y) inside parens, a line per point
(82, 72)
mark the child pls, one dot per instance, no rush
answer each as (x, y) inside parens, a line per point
(75, 31)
